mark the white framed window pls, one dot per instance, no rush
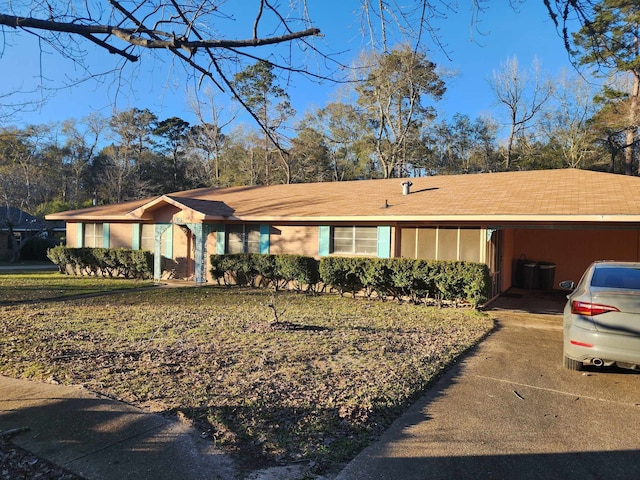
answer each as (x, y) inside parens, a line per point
(354, 240)
(243, 239)
(93, 235)
(148, 237)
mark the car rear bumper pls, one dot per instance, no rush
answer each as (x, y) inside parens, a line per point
(609, 348)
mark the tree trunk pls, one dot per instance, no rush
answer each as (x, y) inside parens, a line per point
(512, 133)
(633, 130)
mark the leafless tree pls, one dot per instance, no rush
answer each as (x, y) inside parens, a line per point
(566, 124)
(206, 140)
(394, 94)
(80, 148)
(195, 33)
(202, 35)
(523, 96)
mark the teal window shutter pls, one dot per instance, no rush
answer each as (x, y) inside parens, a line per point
(324, 240)
(135, 239)
(168, 246)
(106, 228)
(220, 240)
(80, 235)
(384, 241)
(264, 238)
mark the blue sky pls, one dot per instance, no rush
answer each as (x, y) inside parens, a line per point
(474, 53)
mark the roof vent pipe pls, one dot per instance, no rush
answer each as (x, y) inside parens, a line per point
(405, 187)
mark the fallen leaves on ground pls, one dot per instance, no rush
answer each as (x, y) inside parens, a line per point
(318, 384)
(16, 463)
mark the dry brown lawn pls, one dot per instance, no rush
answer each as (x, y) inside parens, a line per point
(317, 385)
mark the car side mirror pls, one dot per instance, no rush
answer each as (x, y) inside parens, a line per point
(567, 285)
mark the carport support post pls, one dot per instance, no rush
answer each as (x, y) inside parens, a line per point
(157, 250)
(201, 233)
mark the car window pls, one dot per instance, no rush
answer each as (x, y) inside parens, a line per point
(613, 277)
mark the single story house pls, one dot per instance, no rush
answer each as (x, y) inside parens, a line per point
(567, 218)
(16, 227)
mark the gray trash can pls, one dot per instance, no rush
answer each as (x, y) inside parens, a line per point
(530, 275)
(547, 275)
(518, 272)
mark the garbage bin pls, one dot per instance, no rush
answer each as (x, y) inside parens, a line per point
(530, 275)
(518, 272)
(547, 275)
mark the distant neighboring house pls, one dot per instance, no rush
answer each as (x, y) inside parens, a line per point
(16, 226)
(565, 218)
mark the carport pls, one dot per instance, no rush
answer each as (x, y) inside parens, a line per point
(566, 248)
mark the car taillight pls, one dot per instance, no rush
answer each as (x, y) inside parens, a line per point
(590, 309)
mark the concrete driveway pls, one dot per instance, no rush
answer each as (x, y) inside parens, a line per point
(510, 410)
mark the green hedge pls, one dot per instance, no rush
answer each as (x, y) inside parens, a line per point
(342, 273)
(293, 271)
(419, 280)
(111, 262)
(397, 278)
(297, 271)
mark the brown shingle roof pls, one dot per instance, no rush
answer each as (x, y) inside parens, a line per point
(544, 195)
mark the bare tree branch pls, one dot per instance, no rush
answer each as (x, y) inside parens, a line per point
(135, 37)
(199, 34)
(111, 49)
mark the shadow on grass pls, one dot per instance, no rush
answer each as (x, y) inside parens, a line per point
(35, 295)
(273, 433)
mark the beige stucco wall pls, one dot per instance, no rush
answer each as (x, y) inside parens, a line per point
(167, 213)
(120, 235)
(211, 249)
(298, 240)
(183, 253)
(72, 235)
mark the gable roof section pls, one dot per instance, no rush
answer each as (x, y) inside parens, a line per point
(544, 195)
(102, 213)
(200, 209)
(20, 220)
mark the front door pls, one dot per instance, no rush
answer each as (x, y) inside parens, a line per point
(184, 256)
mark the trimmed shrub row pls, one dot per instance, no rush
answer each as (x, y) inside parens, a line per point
(418, 280)
(398, 278)
(254, 269)
(111, 262)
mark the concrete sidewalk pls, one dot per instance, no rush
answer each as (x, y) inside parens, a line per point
(19, 267)
(510, 410)
(102, 439)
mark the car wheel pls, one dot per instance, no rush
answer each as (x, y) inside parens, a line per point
(572, 364)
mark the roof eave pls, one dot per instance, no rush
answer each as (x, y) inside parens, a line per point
(509, 218)
(369, 218)
(91, 218)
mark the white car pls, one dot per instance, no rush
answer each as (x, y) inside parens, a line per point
(602, 317)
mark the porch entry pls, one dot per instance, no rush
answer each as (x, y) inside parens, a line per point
(444, 243)
(189, 250)
(471, 244)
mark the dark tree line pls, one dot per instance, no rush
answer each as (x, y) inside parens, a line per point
(134, 154)
(391, 128)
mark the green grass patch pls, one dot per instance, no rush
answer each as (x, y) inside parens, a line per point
(30, 286)
(318, 385)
